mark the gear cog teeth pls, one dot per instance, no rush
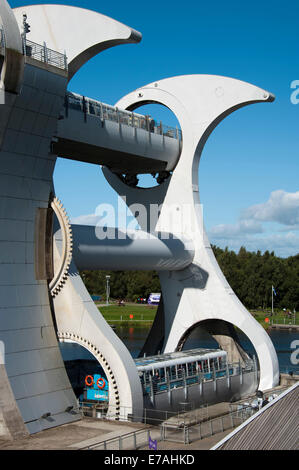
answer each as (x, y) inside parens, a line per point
(61, 275)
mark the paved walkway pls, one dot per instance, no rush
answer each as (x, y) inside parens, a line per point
(90, 431)
(203, 444)
(199, 415)
(72, 436)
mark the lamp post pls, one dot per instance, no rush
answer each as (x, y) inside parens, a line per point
(273, 292)
(107, 289)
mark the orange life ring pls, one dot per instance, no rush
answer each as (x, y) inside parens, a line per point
(87, 382)
(103, 382)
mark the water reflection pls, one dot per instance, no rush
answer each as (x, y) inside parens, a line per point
(281, 339)
(134, 338)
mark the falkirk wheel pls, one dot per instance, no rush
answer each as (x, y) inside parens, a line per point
(43, 299)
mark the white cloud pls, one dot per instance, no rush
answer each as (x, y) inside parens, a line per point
(88, 219)
(282, 207)
(288, 228)
(242, 227)
(248, 231)
(284, 245)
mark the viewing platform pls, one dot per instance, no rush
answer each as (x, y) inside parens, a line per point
(124, 141)
(38, 52)
(96, 132)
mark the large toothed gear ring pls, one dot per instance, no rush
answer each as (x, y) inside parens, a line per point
(61, 270)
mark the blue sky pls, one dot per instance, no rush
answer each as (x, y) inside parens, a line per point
(248, 176)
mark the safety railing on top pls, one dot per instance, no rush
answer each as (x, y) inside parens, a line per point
(110, 113)
(172, 427)
(287, 320)
(39, 52)
(44, 54)
(205, 428)
(128, 441)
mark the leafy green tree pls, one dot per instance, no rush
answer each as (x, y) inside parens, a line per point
(250, 274)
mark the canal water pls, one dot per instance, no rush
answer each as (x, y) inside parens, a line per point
(135, 336)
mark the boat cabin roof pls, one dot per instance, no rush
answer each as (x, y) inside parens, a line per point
(177, 357)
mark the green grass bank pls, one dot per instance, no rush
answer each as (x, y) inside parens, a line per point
(141, 315)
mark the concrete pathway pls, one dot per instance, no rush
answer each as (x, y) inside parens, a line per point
(72, 436)
(203, 444)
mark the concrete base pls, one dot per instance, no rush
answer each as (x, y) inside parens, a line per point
(11, 421)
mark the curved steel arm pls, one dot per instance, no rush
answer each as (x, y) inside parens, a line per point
(78, 32)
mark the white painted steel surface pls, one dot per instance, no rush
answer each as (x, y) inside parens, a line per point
(80, 33)
(200, 292)
(28, 122)
(131, 250)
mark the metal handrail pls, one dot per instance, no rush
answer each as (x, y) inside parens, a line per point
(228, 420)
(208, 427)
(107, 412)
(119, 439)
(39, 52)
(107, 112)
(290, 320)
(43, 54)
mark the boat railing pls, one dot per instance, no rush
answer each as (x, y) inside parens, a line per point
(182, 377)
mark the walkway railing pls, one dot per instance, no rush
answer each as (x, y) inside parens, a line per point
(101, 410)
(110, 113)
(131, 440)
(184, 426)
(181, 428)
(287, 320)
(39, 52)
(44, 54)
(205, 428)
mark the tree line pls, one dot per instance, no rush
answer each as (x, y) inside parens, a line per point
(250, 274)
(127, 285)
